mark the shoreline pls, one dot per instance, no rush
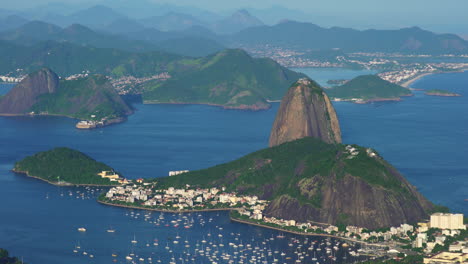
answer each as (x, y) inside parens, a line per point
(409, 82)
(66, 184)
(299, 233)
(165, 210)
(236, 220)
(241, 107)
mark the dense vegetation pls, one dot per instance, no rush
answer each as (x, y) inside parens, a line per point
(64, 165)
(82, 98)
(283, 169)
(67, 59)
(6, 259)
(368, 87)
(229, 78)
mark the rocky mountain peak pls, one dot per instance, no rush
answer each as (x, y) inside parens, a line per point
(305, 111)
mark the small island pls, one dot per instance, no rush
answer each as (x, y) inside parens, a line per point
(368, 88)
(65, 166)
(437, 92)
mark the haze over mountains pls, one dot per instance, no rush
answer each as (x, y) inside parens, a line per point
(201, 35)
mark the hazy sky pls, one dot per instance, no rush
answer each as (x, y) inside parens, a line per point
(382, 13)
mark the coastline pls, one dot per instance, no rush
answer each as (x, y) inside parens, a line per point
(236, 220)
(65, 184)
(165, 210)
(301, 234)
(409, 82)
(373, 100)
(241, 107)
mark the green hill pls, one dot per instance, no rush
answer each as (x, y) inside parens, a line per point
(308, 179)
(89, 98)
(63, 166)
(230, 78)
(82, 98)
(368, 88)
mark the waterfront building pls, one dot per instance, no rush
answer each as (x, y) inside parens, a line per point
(447, 221)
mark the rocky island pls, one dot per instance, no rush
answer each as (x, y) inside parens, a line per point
(65, 166)
(366, 89)
(437, 92)
(91, 99)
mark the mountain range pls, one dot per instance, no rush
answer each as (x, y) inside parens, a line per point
(308, 36)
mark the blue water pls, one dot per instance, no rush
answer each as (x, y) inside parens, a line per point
(423, 136)
(322, 75)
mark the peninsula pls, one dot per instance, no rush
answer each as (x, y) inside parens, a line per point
(65, 166)
(91, 98)
(366, 89)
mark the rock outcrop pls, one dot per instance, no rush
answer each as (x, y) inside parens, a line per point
(25, 94)
(305, 111)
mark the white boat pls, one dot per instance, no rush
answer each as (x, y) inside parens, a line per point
(82, 229)
(134, 241)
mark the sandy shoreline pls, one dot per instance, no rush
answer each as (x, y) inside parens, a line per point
(409, 82)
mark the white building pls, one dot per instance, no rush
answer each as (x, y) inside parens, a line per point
(174, 173)
(447, 221)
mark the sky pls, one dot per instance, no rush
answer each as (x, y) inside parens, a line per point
(443, 14)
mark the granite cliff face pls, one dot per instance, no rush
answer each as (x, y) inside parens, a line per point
(25, 94)
(305, 111)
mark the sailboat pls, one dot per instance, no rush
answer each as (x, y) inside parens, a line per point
(134, 241)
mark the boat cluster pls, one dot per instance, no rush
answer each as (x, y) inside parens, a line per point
(202, 238)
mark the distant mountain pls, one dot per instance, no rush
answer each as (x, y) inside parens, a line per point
(68, 58)
(238, 21)
(291, 34)
(172, 22)
(190, 46)
(368, 88)
(37, 31)
(11, 22)
(31, 32)
(230, 78)
(87, 98)
(96, 16)
(122, 26)
(305, 111)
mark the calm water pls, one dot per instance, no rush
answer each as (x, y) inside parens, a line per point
(423, 136)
